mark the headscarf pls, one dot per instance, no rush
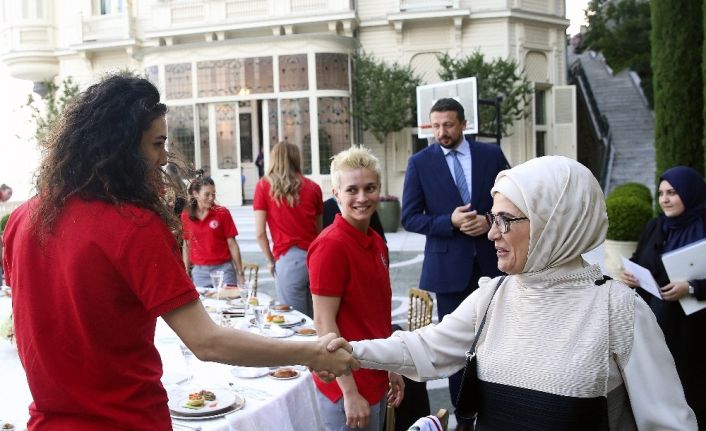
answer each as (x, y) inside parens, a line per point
(686, 227)
(565, 207)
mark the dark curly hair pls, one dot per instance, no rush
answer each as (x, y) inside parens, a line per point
(93, 152)
(196, 186)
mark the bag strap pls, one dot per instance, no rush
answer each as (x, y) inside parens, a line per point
(472, 350)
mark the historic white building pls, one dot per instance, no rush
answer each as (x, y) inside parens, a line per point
(240, 75)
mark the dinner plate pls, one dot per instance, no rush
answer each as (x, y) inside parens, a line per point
(225, 400)
(280, 308)
(249, 372)
(289, 321)
(234, 408)
(306, 334)
(297, 374)
(278, 332)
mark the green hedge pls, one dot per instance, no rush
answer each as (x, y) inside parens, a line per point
(3, 221)
(627, 216)
(637, 190)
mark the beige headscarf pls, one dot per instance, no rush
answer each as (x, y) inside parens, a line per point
(564, 204)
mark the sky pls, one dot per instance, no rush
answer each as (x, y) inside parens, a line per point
(19, 155)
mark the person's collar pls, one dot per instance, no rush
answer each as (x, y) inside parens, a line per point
(363, 239)
(463, 148)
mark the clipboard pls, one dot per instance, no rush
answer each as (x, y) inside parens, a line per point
(687, 263)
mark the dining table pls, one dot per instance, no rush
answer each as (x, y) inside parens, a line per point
(262, 401)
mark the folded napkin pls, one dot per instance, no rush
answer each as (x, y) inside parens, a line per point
(427, 423)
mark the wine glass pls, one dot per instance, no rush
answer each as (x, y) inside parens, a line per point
(189, 361)
(260, 312)
(217, 282)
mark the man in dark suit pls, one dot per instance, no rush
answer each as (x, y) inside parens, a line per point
(446, 194)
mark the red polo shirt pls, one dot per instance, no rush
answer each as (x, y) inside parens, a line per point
(346, 263)
(208, 238)
(289, 226)
(85, 304)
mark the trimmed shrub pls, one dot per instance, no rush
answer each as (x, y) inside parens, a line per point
(627, 216)
(637, 190)
(3, 221)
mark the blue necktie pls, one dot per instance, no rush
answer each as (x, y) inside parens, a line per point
(460, 179)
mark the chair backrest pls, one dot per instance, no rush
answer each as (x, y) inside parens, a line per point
(421, 306)
(251, 270)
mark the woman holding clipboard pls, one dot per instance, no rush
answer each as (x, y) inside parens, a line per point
(682, 197)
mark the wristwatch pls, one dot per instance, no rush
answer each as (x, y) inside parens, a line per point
(691, 289)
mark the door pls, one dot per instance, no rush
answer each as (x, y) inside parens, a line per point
(225, 170)
(250, 138)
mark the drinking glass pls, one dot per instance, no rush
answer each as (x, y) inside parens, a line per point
(189, 361)
(245, 294)
(260, 312)
(217, 282)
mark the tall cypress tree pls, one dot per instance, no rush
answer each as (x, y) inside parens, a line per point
(677, 41)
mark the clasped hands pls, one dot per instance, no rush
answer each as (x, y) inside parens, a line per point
(334, 358)
(469, 222)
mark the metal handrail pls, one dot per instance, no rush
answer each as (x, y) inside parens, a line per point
(577, 75)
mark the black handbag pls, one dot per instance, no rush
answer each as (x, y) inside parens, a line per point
(468, 398)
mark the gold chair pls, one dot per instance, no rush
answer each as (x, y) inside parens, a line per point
(419, 312)
(251, 270)
(420, 309)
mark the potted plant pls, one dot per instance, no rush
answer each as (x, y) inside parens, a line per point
(627, 215)
(389, 212)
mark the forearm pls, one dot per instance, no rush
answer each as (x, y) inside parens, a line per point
(185, 254)
(235, 255)
(264, 244)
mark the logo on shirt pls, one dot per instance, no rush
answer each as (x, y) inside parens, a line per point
(383, 260)
(213, 224)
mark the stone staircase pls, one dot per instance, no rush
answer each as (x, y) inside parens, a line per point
(621, 100)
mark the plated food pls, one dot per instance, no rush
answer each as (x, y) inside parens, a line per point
(306, 331)
(203, 403)
(275, 318)
(282, 307)
(284, 373)
(198, 400)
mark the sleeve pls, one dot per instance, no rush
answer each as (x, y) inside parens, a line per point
(699, 289)
(229, 229)
(319, 199)
(651, 379)
(260, 201)
(414, 217)
(328, 268)
(432, 352)
(148, 260)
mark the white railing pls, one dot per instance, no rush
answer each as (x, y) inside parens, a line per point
(106, 27)
(426, 5)
(218, 12)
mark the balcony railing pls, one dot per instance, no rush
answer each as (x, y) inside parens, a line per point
(107, 27)
(218, 12)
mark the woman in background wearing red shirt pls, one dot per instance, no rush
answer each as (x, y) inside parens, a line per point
(292, 207)
(350, 283)
(209, 236)
(92, 261)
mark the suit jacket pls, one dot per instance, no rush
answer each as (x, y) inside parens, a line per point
(430, 196)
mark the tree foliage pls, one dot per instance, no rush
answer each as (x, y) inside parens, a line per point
(677, 39)
(620, 30)
(46, 110)
(384, 98)
(384, 95)
(498, 77)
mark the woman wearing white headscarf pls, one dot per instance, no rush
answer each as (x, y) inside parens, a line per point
(562, 349)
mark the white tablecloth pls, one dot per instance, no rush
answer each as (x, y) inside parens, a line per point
(273, 404)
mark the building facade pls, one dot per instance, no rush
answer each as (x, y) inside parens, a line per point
(241, 75)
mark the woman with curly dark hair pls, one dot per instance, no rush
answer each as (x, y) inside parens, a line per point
(93, 261)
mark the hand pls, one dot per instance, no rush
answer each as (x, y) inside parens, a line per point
(330, 364)
(357, 410)
(675, 290)
(461, 215)
(475, 226)
(339, 343)
(271, 268)
(396, 393)
(630, 280)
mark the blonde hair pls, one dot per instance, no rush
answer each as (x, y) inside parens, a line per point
(285, 173)
(350, 159)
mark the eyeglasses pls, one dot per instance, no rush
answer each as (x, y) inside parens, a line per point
(502, 221)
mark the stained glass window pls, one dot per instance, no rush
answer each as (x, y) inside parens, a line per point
(296, 127)
(293, 72)
(274, 124)
(204, 139)
(332, 71)
(240, 76)
(180, 121)
(178, 80)
(258, 75)
(334, 129)
(225, 136)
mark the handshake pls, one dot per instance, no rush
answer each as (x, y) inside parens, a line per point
(333, 358)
